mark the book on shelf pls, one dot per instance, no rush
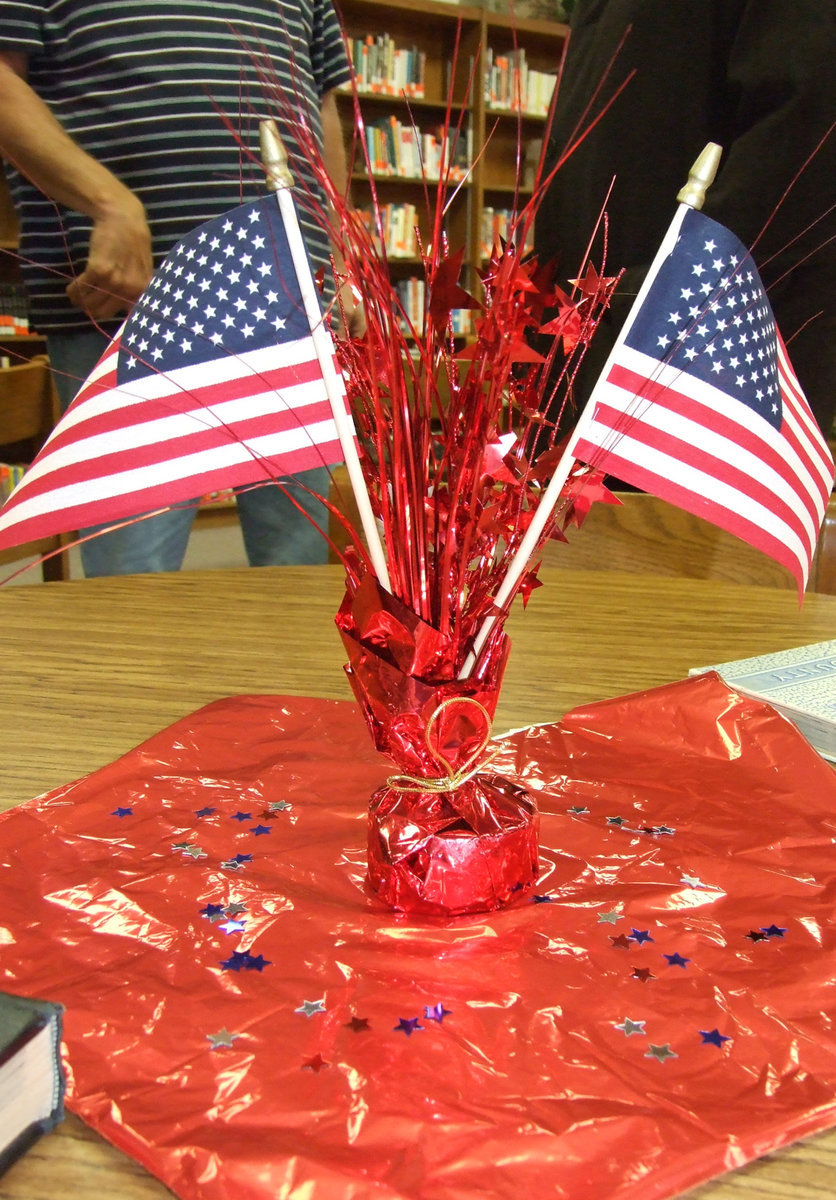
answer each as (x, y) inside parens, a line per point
(510, 83)
(31, 1076)
(14, 310)
(412, 294)
(799, 683)
(394, 229)
(382, 68)
(10, 476)
(496, 225)
(396, 148)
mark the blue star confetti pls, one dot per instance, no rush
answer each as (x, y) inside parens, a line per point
(236, 863)
(408, 1025)
(436, 1012)
(242, 960)
(640, 936)
(122, 812)
(204, 812)
(259, 830)
(713, 1037)
(241, 816)
(213, 912)
(676, 960)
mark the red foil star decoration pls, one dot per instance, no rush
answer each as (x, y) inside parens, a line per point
(315, 1064)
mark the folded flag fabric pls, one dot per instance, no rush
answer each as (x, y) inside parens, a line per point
(699, 405)
(213, 382)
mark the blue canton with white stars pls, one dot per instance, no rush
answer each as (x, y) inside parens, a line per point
(707, 314)
(227, 288)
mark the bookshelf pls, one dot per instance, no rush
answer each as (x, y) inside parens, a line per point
(468, 53)
(431, 49)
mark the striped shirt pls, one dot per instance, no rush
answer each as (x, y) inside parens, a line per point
(150, 89)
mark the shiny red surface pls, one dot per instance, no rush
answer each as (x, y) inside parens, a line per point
(529, 1085)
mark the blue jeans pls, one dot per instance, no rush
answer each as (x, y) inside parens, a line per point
(275, 532)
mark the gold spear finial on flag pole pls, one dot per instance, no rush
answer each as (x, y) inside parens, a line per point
(280, 181)
(701, 176)
(274, 157)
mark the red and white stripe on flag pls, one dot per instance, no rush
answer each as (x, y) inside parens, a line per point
(166, 438)
(658, 428)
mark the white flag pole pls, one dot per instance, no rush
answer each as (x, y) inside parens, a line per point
(279, 180)
(692, 195)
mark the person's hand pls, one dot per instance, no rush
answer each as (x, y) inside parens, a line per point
(119, 266)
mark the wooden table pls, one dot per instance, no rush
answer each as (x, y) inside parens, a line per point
(94, 667)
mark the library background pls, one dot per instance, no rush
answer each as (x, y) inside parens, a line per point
(411, 58)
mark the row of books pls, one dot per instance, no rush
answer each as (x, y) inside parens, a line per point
(14, 310)
(396, 232)
(511, 83)
(385, 69)
(10, 476)
(496, 223)
(382, 68)
(399, 149)
(412, 292)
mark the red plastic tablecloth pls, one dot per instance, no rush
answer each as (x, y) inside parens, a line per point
(245, 1020)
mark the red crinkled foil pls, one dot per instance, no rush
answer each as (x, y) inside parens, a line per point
(470, 847)
(521, 1081)
(401, 671)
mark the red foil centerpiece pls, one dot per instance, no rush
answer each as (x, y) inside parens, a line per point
(446, 835)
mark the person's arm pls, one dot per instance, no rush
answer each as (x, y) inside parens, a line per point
(119, 265)
(335, 160)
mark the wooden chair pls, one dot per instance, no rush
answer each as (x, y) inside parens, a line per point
(644, 535)
(28, 411)
(824, 564)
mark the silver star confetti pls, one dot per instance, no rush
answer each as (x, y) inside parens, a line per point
(609, 918)
(232, 926)
(309, 1008)
(223, 1038)
(661, 1053)
(628, 1027)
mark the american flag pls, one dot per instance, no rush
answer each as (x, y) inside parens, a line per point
(698, 403)
(213, 382)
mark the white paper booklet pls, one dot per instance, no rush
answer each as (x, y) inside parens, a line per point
(800, 683)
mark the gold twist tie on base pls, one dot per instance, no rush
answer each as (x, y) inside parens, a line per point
(453, 779)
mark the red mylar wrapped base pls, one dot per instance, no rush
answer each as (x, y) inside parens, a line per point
(659, 1011)
(472, 850)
